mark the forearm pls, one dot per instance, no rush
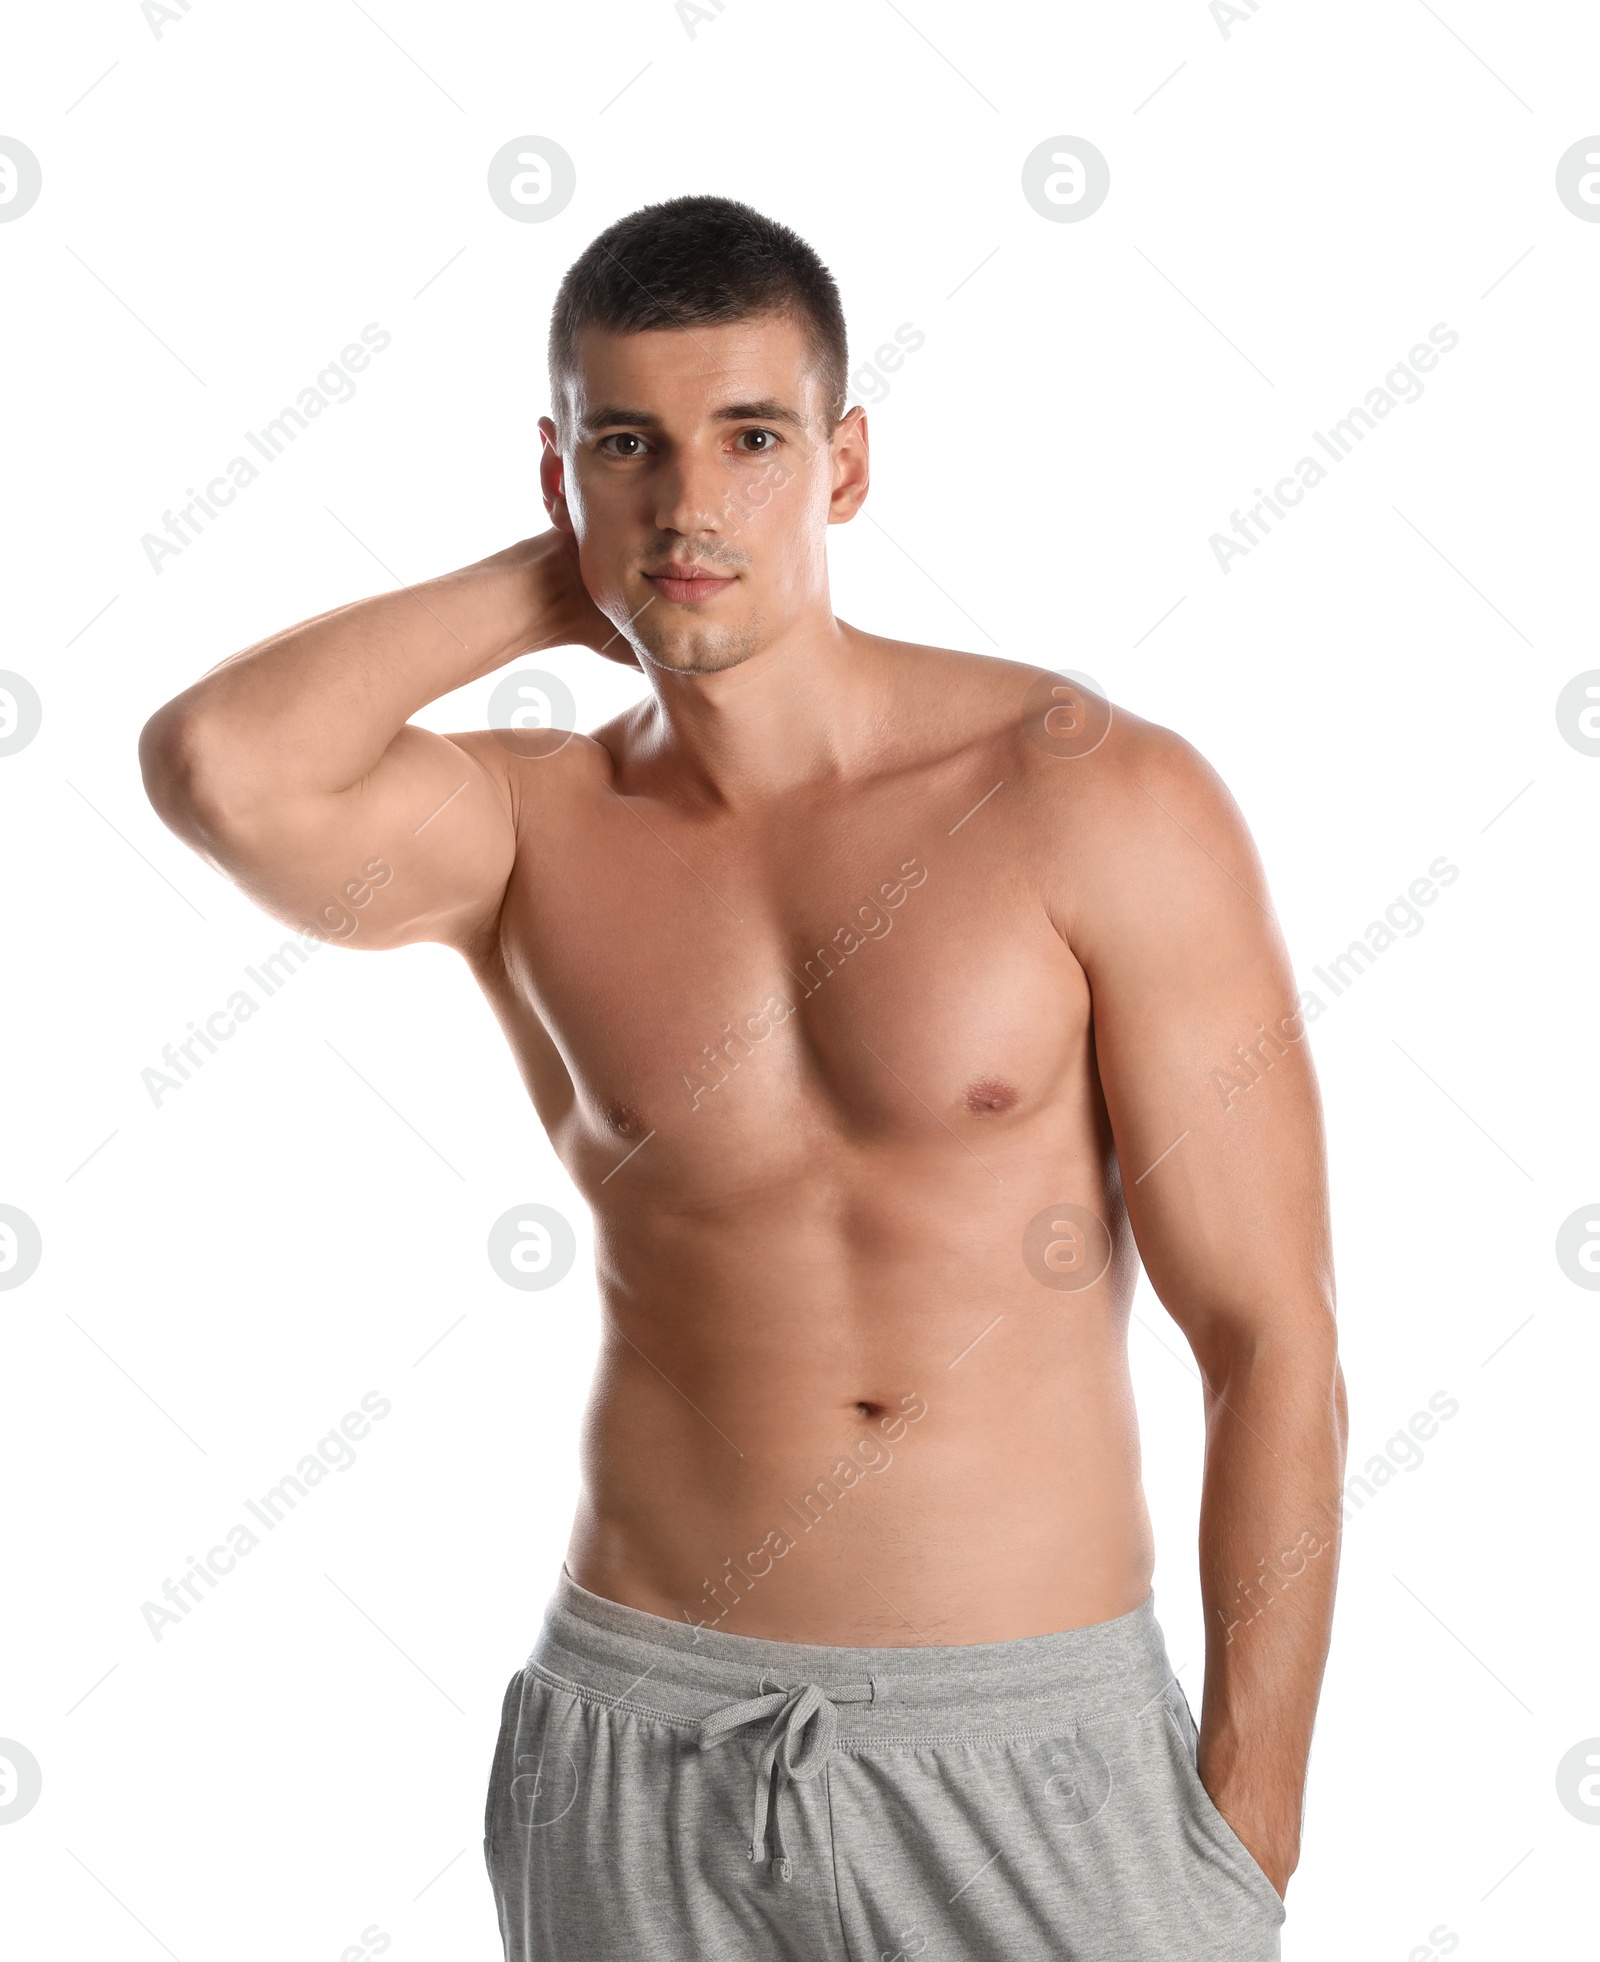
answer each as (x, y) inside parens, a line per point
(314, 708)
(1269, 1552)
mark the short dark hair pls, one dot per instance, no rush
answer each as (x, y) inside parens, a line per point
(699, 261)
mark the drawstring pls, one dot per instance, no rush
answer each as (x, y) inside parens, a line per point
(799, 1742)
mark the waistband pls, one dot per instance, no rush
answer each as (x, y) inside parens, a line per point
(643, 1662)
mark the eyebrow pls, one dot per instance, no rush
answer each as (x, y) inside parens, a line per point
(609, 416)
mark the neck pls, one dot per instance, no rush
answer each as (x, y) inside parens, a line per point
(805, 708)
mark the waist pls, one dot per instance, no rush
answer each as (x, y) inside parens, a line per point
(1005, 1502)
(605, 1651)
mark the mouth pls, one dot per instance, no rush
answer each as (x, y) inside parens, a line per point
(688, 585)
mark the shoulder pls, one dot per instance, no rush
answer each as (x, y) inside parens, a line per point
(1115, 774)
(532, 756)
(538, 771)
(1139, 838)
(1063, 741)
(1126, 821)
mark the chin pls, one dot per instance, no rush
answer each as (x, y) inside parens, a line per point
(705, 653)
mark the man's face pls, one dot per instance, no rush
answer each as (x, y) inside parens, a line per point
(698, 474)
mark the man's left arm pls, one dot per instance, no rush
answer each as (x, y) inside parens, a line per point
(1217, 1122)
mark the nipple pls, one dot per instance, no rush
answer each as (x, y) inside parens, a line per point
(989, 1095)
(624, 1120)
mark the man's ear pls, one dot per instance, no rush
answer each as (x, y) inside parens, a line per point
(552, 475)
(852, 469)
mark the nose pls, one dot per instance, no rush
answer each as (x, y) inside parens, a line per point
(691, 495)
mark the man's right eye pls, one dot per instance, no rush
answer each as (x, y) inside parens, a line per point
(623, 436)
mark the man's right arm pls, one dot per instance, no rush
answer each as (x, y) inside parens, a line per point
(292, 766)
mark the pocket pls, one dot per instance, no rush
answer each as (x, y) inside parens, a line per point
(1233, 1848)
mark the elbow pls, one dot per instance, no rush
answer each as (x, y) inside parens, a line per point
(168, 754)
(185, 771)
(1294, 1346)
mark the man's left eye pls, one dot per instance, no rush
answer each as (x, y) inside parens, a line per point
(769, 438)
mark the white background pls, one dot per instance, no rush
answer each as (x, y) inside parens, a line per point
(225, 1275)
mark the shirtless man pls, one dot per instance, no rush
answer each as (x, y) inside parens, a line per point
(887, 1005)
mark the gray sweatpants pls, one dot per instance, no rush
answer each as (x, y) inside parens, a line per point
(663, 1792)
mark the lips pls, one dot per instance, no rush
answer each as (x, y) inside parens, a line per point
(687, 584)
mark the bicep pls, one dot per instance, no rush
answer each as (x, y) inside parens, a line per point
(419, 849)
(1202, 1056)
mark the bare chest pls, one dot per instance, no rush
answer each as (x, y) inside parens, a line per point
(748, 996)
